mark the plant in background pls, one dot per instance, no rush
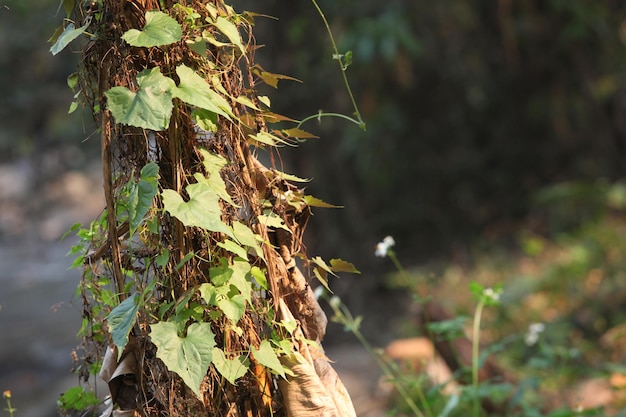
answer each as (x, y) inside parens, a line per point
(7, 398)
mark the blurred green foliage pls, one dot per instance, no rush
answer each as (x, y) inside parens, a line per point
(34, 96)
(471, 107)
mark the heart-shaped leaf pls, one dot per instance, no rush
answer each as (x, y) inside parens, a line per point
(231, 369)
(202, 209)
(189, 356)
(150, 107)
(160, 29)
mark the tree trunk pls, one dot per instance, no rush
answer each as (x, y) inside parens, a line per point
(196, 293)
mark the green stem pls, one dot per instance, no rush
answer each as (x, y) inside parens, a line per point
(475, 345)
(336, 53)
(320, 115)
(345, 317)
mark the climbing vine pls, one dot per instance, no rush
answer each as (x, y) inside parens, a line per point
(196, 284)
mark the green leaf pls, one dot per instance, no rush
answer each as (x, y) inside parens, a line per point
(214, 164)
(68, 35)
(202, 209)
(246, 236)
(241, 278)
(266, 356)
(160, 29)
(259, 277)
(339, 265)
(185, 259)
(150, 107)
(121, 320)
(76, 398)
(291, 177)
(233, 307)
(229, 29)
(206, 120)
(233, 247)
(316, 202)
(195, 90)
(231, 369)
(189, 356)
(271, 219)
(208, 293)
(141, 195)
(299, 133)
(220, 275)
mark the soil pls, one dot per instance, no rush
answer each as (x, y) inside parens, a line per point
(39, 317)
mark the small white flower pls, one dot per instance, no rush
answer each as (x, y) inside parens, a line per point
(490, 293)
(532, 336)
(579, 409)
(334, 301)
(318, 292)
(383, 247)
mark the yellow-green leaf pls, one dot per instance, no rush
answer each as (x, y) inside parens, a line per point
(339, 265)
(229, 29)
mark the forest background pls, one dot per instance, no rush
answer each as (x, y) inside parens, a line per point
(491, 126)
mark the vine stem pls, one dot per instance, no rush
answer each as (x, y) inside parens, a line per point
(475, 344)
(337, 56)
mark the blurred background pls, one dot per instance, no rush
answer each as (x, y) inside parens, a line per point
(494, 151)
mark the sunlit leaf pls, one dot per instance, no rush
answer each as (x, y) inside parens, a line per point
(271, 219)
(231, 369)
(269, 78)
(241, 278)
(202, 210)
(150, 107)
(213, 164)
(339, 265)
(194, 90)
(229, 29)
(246, 236)
(206, 120)
(299, 133)
(265, 100)
(291, 177)
(246, 102)
(233, 247)
(266, 356)
(189, 356)
(68, 35)
(316, 202)
(233, 307)
(160, 29)
(259, 277)
(121, 320)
